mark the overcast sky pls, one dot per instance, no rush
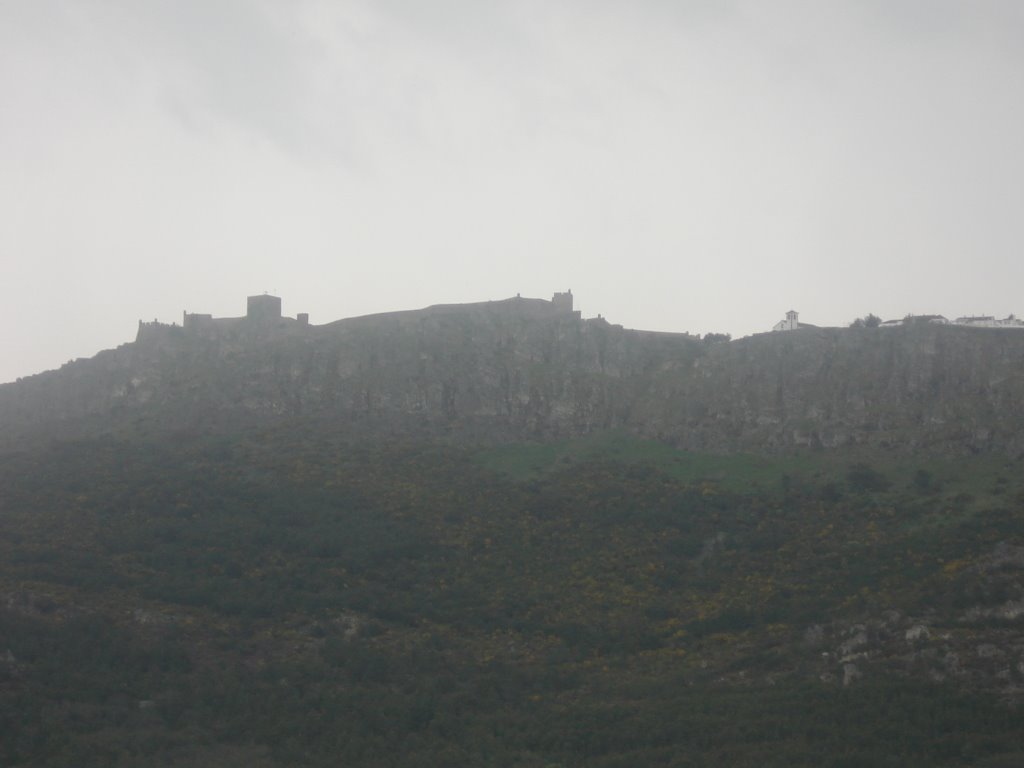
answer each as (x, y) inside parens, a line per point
(686, 165)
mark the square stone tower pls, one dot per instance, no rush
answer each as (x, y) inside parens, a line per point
(562, 302)
(263, 308)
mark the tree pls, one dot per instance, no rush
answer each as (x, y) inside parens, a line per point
(870, 320)
(714, 338)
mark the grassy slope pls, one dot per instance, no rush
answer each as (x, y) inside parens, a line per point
(283, 599)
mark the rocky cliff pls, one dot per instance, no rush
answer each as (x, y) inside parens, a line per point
(517, 369)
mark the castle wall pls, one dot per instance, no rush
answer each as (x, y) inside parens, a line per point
(193, 321)
(153, 331)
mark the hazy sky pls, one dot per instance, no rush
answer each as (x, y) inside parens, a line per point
(688, 165)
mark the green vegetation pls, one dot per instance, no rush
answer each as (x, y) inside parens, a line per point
(289, 599)
(870, 320)
(733, 472)
(983, 478)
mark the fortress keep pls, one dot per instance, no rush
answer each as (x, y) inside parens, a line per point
(263, 309)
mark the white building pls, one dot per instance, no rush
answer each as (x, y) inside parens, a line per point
(791, 323)
(912, 319)
(987, 321)
(972, 321)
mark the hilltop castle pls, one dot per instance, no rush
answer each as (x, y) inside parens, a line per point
(260, 312)
(263, 316)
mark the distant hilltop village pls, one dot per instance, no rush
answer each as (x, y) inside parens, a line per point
(263, 314)
(792, 321)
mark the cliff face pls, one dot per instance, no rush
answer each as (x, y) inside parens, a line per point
(917, 387)
(513, 370)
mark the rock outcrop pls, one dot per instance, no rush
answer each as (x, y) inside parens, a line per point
(516, 370)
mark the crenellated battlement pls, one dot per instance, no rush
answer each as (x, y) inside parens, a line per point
(154, 331)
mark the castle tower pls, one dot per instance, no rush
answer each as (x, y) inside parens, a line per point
(265, 308)
(562, 302)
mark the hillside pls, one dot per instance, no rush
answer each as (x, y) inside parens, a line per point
(518, 369)
(287, 597)
(501, 535)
